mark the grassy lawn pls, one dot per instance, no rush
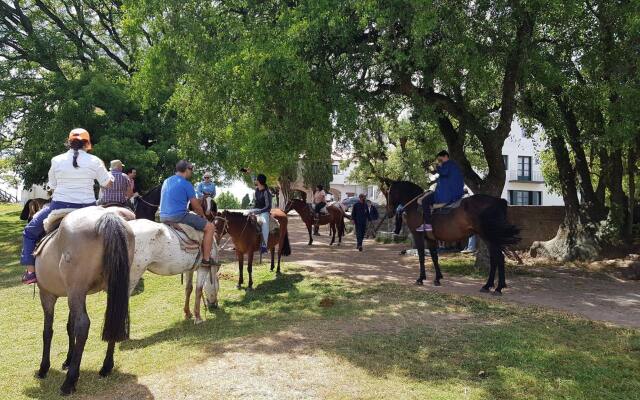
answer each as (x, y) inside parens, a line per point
(387, 340)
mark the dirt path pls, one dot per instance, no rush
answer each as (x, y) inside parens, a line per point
(603, 299)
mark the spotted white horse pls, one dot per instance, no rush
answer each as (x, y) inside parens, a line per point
(158, 249)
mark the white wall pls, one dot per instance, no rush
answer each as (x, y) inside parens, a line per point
(519, 145)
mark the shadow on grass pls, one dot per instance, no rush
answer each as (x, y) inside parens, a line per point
(90, 385)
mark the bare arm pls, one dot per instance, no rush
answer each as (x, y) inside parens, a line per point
(196, 207)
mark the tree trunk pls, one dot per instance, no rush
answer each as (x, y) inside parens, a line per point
(632, 160)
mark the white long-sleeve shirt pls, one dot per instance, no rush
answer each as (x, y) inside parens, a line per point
(75, 185)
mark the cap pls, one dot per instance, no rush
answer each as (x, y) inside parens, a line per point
(82, 134)
(116, 164)
(208, 174)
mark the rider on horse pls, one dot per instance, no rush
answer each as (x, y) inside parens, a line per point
(177, 194)
(262, 208)
(319, 201)
(121, 190)
(71, 178)
(206, 187)
(450, 188)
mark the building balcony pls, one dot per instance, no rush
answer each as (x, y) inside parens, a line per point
(533, 177)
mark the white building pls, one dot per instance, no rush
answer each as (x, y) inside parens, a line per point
(524, 184)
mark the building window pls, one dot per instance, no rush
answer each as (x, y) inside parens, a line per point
(524, 168)
(334, 169)
(525, 198)
(505, 160)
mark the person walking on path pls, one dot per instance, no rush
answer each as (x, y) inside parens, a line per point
(360, 216)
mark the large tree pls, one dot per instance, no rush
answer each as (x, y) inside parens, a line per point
(67, 63)
(584, 94)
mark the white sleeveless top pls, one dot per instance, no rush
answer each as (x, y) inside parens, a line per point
(75, 185)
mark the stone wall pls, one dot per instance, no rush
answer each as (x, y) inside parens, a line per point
(536, 222)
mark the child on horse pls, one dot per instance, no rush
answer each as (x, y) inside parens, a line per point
(450, 188)
(71, 178)
(177, 193)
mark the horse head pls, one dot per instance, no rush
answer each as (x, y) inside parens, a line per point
(221, 224)
(211, 288)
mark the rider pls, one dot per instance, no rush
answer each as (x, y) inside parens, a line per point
(71, 178)
(132, 174)
(450, 188)
(206, 187)
(177, 193)
(320, 200)
(262, 208)
(121, 190)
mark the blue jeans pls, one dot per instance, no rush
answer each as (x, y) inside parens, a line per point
(264, 220)
(34, 230)
(471, 245)
(192, 219)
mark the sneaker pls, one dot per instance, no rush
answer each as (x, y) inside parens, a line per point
(424, 228)
(263, 249)
(29, 277)
(360, 248)
(467, 251)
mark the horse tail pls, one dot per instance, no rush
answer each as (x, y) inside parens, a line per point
(24, 215)
(115, 261)
(495, 227)
(286, 246)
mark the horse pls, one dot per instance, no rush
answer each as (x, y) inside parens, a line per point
(335, 219)
(159, 250)
(243, 230)
(91, 251)
(209, 207)
(483, 215)
(147, 205)
(31, 207)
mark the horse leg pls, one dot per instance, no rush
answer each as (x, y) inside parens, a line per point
(48, 302)
(203, 272)
(187, 294)
(273, 258)
(502, 283)
(310, 234)
(240, 265)
(250, 269)
(72, 342)
(418, 239)
(107, 365)
(332, 230)
(81, 323)
(492, 270)
(433, 251)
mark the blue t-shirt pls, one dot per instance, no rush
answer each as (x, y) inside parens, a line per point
(175, 196)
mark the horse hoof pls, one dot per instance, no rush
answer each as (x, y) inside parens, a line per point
(188, 316)
(105, 371)
(41, 374)
(198, 321)
(66, 390)
(484, 289)
(65, 365)
(437, 283)
(419, 282)
(497, 292)
(238, 286)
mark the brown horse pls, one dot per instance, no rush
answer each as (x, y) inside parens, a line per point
(335, 219)
(91, 251)
(483, 215)
(243, 230)
(31, 207)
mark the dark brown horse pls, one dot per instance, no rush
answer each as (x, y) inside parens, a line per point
(335, 219)
(243, 230)
(147, 205)
(480, 214)
(31, 207)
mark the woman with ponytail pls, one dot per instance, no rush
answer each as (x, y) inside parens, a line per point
(71, 178)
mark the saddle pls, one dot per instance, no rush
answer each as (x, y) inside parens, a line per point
(52, 222)
(445, 208)
(190, 238)
(274, 226)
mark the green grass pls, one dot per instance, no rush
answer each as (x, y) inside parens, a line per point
(497, 352)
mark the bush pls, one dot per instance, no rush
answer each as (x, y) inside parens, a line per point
(228, 201)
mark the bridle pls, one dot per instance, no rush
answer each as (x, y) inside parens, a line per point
(225, 228)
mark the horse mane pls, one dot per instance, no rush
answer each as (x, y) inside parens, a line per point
(406, 186)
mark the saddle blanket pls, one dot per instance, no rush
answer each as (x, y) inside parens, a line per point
(190, 238)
